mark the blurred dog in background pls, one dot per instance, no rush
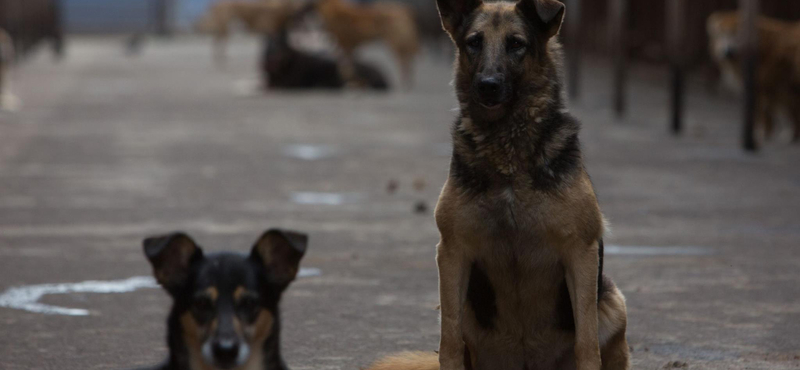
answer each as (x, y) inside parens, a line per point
(283, 65)
(286, 67)
(778, 75)
(258, 17)
(352, 25)
(8, 101)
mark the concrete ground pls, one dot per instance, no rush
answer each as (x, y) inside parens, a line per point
(109, 149)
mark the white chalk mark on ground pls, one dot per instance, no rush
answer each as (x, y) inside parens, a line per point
(328, 199)
(308, 152)
(27, 298)
(309, 272)
(658, 251)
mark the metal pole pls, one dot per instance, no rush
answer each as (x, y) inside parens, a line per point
(573, 35)
(678, 97)
(163, 17)
(57, 29)
(749, 9)
(676, 14)
(618, 9)
(3, 58)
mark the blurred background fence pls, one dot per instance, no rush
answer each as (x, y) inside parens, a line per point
(647, 25)
(652, 31)
(29, 21)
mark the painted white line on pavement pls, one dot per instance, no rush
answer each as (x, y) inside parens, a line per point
(26, 298)
(308, 152)
(327, 199)
(657, 251)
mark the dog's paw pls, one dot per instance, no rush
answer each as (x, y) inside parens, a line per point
(451, 362)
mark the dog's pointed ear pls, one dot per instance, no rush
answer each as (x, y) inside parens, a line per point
(172, 256)
(546, 14)
(280, 251)
(454, 12)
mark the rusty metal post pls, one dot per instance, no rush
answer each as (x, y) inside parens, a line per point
(573, 36)
(748, 33)
(676, 36)
(618, 25)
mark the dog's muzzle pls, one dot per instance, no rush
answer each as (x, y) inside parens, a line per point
(490, 91)
(226, 353)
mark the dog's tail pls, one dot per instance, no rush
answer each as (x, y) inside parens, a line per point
(408, 361)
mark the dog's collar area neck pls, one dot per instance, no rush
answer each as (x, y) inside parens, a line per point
(525, 115)
(524, 142)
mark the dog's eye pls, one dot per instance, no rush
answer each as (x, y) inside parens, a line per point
(248, 304)
(475, 42)
(202, 304)
(515, 44)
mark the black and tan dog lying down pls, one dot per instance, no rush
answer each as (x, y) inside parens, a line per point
(225, 312)
(285, 67)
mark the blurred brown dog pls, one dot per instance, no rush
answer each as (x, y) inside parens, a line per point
(352, 25)
(778, 75)
(263, 18)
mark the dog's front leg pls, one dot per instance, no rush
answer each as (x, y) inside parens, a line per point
(452, 287)
(581, 273)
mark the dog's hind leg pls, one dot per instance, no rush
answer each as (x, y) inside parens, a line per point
(220, 50)
(347, 70)
(616, 353)
(765, 108)
(612, 324)
(407, 71)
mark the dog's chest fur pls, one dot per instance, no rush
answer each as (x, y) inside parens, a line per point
(516, 290)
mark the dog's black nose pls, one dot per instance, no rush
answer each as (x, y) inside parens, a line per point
(490, 86)
(225, 350)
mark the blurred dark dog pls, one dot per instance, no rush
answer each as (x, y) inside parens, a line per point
(285, 67)
(225, 312)
(778, 75)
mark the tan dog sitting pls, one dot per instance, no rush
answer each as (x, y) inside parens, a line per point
(778, 75)
(520, 258)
